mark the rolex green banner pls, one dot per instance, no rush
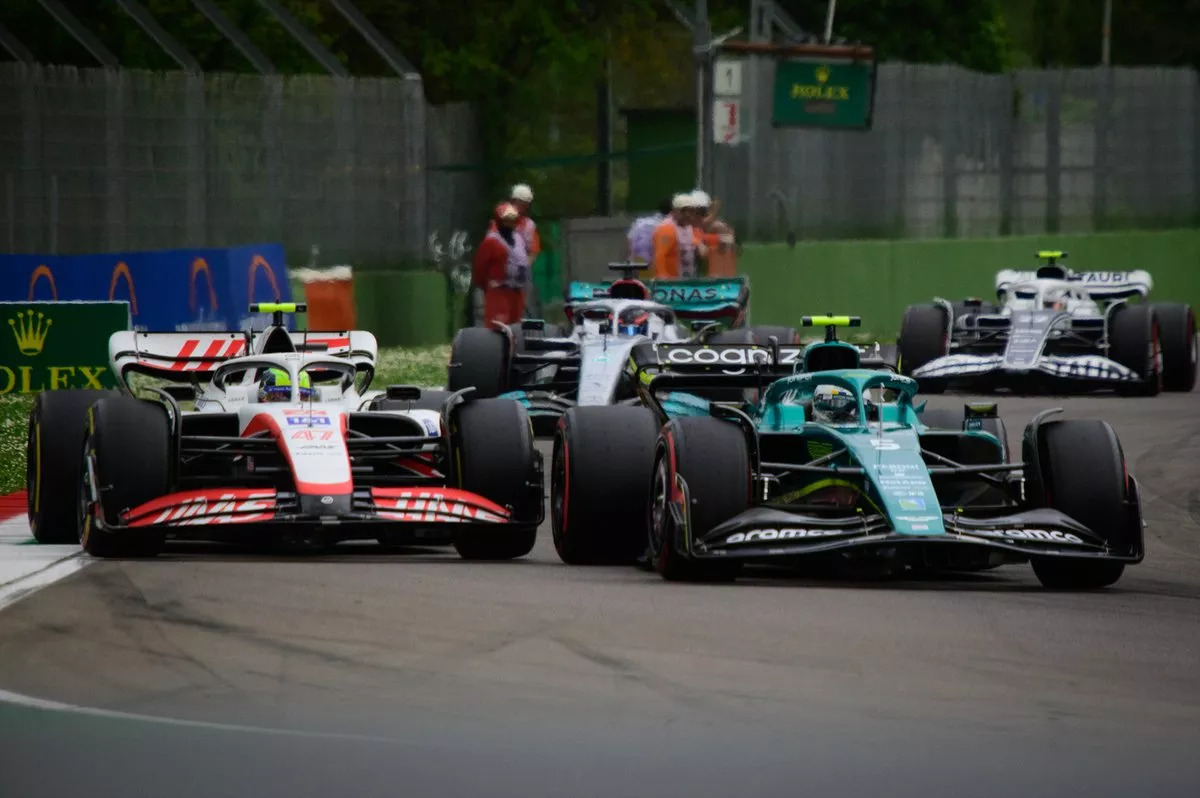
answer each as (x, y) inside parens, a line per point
(52, 345)
(812, 94)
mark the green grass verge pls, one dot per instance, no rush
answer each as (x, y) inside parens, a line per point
(396, 366)
(399, 366)
(14, 415)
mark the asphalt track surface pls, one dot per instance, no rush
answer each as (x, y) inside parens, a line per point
(418, 674)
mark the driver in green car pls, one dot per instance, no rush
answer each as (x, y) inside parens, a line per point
(834, 405)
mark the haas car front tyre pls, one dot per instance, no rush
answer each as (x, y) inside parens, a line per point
(1095, 496)
(495, 459)
(57, 424)
(1177, 325)
(713, 460)
(126, 462)
(600, 483)
(479, 360)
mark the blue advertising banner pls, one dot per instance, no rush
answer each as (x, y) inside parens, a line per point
(167, 290)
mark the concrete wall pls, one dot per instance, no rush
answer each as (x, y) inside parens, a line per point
(592, 244)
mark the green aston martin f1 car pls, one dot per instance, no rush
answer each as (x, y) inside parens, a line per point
(832, 462)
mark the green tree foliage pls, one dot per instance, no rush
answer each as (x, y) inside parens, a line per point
(973, 34)
(135, 49)
(1144, 32)
(531, 68)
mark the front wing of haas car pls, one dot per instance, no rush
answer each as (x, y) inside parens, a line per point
(415, 514)
(326, 475)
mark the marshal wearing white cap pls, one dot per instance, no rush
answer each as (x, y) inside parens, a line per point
(521, 197)
(675, 240)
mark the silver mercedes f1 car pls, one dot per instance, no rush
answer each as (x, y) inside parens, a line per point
(549, 369)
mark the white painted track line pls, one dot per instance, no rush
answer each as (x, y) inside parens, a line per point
(24, 569)
(21, 700)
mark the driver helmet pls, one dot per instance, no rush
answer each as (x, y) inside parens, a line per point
(834, 405)
(276, 386)
(1054, 299)
(633, 321)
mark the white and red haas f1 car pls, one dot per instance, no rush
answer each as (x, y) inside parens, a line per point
(283, 441)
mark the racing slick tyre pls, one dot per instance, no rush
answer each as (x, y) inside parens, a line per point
(1177, 327)
(57, 424)
(492, 442)
(923, 337)
(1094, 495)
(600, 484)
(788, 336)
(1134, 337)
(429, 400)
(742, 336)
(479, 360)
(128, 447)
(712, 457)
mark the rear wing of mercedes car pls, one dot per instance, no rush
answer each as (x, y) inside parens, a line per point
(701, 297)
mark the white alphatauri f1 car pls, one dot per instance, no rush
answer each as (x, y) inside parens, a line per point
(284, 442)
(1053, 329)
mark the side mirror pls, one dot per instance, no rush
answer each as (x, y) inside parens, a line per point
(974, 414)
(981, 410)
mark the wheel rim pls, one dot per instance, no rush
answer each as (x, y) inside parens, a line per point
(659, 512)
(84, 517)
